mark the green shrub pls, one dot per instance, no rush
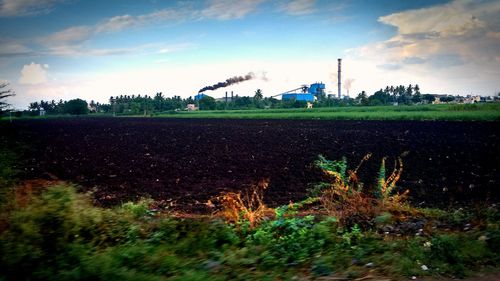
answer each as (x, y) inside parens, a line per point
(54, 230)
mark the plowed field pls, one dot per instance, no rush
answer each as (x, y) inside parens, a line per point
(184, 162)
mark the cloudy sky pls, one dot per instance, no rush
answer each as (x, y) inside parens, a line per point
(62, 49)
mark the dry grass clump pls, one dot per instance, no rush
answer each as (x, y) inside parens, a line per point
(385, 189)
(249, 206)
(345, 199)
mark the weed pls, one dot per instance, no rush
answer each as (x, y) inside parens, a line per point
(238, 208)
(385, 186)
(58, 235)
(139, 209)
(345, 198)
(353, 236)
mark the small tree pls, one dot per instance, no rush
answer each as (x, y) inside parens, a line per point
(76, 107)
(428, 98)
(257, 98)
(258, 95)
(362, 98)
(4, 93)
(207, 103)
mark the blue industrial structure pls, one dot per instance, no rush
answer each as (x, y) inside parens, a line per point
(304, 93)
(298, 97)
(199, 96)
(317, 89)
(309, 94)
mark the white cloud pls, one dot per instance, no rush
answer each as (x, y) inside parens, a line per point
(69, 42)
(33, 74)
(12, 8)
(75, 34)
(9, 49)
(454, 42)
(445, 20)
(299, 7)
(229, 9)
(122, 22)
(79, 50)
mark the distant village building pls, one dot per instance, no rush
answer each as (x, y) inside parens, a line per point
(471, 99)
(191, 107)
(42, 112)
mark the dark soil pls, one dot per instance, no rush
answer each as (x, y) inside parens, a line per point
(186, 162)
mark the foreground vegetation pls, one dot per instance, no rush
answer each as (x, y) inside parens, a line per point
(58, 235)
(49, 231)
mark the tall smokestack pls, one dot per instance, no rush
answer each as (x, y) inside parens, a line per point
(339, 78)
(232, 97)
(226, 96)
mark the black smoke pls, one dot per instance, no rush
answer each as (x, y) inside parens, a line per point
(229, 81)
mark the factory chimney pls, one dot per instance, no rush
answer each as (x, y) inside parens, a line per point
(232, 97)
(226, 97)
(339, 78)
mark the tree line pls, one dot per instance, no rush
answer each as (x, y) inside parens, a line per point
(395, 95)
(146, 105)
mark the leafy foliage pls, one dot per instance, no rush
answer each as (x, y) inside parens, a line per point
(76, 107)
(58, 235)
(344, 198)
(385, 186)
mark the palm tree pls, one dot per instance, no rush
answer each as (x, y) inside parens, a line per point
(258, 95)
(417, 89)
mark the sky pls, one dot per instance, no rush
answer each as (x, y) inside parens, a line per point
(64, 49)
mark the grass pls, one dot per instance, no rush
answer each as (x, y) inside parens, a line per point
(476, 112)
(60, 235)
(445, 112)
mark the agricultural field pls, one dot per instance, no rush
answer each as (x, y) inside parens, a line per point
(186, 162)
(164, 199)
(449, 112)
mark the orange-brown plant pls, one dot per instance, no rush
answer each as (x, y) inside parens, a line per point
(237, 207)
(344, 197)
(386, 186)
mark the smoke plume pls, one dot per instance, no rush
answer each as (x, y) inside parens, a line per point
(348, 83)
(229, 81)
(334, 77)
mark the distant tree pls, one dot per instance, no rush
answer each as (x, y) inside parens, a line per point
(93, 106)
(428, 98)
(258, 95)
(258, 99)
(243, 102)
(34, 106)
(76, 107)
(207, 103)
(447, 99)
(4, 93)
(380, 97)
(362, 98)
(409, 90)
(417, 89)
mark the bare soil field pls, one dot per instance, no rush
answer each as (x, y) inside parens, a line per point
(184, 162)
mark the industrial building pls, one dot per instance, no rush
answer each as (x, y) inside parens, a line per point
(304, 93)
(199, 96)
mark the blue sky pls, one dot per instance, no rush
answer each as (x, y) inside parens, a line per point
(62, 49)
